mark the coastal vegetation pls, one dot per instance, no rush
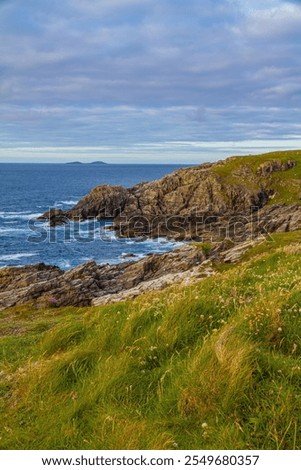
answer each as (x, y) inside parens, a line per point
(213, 365)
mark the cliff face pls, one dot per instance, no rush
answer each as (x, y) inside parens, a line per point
(191, 202)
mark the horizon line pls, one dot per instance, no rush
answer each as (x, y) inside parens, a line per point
(100, 164)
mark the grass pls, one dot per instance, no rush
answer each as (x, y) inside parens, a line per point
(212, 366)
(203, 246)
(286, 184)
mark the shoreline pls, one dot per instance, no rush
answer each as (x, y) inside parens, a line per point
(221, 208)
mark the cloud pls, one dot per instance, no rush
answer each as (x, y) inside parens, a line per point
(275, 22)
(124, 72)
(185, 152)
(104, 7)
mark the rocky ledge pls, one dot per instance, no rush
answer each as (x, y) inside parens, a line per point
(50, 286)
(92, 284)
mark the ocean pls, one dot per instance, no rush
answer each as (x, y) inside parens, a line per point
(28, 190)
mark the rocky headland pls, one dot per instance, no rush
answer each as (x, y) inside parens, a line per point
(223, 208)
(237, 197)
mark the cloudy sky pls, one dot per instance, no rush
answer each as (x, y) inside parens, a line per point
(148, 80)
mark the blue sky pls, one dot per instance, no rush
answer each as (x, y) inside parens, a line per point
(148, 80)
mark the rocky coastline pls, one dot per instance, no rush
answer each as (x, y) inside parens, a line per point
(50, 286)
(221, 208)
(197, 203)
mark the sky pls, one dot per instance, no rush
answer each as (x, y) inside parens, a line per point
(148, 81)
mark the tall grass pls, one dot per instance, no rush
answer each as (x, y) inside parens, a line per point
(216, 365)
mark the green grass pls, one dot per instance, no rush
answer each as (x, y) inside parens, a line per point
(203, 246)
(286, 184)
(213, 366)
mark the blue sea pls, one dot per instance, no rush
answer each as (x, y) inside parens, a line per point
(28, 190)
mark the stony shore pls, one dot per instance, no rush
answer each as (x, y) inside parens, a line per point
(222, 208)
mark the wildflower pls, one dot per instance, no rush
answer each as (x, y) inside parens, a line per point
(74, 395)
(204, 425)
(52, 301)
(109, 418)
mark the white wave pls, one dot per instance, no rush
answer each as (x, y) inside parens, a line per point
(69, 203)
(29, 216)
(3, 213)
(140, 255)
(107, 235)
(16, 256)
(12, 230)
(25, 215)
(126, 255)
(162, 243)
(64, 264)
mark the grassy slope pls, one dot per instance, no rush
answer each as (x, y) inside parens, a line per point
(287, 184)
(216, 365)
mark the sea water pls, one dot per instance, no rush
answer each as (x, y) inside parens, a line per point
(29, 190)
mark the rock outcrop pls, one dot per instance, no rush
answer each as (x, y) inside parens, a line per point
(48, 286)
(267, 168)
(189, 203)
(277, 218)
(184, 278)
(101, 203)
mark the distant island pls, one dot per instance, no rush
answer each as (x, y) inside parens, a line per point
(91, 163)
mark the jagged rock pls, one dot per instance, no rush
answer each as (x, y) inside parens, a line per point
(147, 207)
(276, 218)
(25, 276)
(267, 168)
(192, 203)
(48, 286)
(185, 278)
(102, 202)
(235, 253)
